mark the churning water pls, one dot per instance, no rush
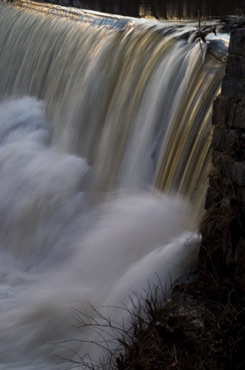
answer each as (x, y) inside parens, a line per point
(99, 127)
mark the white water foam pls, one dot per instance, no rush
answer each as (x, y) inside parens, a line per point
(61, 251)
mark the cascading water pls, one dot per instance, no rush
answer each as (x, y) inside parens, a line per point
(94, 119)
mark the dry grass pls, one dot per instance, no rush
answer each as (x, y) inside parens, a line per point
(199, 328)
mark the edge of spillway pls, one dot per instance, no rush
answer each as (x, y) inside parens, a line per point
(93, 18)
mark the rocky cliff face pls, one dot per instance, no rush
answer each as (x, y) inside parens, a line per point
(223, 228)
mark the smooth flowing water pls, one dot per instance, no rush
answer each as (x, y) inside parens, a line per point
(104, 141)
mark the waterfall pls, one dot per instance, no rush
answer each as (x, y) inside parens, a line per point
(104, 155)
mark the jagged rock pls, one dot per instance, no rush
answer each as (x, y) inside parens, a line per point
(240, 265)
(224, 140)
(237, 42)
(233, 88)
(231, 168)
(235, 66)
(223, 111)
(239, 117)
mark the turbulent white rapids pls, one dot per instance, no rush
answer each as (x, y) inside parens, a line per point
(92, 121)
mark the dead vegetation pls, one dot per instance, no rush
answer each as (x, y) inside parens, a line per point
(199, 328)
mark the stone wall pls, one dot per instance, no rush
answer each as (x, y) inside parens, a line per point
(223, 227)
